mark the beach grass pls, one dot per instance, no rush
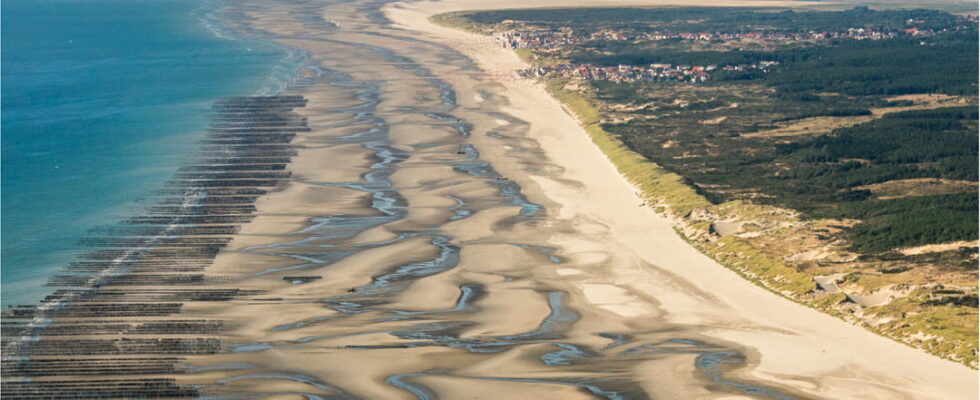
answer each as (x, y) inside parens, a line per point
(458, 20)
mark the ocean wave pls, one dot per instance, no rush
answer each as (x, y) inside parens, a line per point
(284, 75)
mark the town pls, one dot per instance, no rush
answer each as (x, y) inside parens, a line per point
(548, 38)
(632, 73)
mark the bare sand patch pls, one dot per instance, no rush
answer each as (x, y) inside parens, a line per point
(937, 248)
(917, 187)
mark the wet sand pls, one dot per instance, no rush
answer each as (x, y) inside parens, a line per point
(447, 231)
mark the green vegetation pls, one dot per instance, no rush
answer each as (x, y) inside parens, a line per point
(852, 67)
(758, 266)
(939, 143)
(811, 174)
(712, 18)
(459, 20)
(913, 221)
(885, 67)
(818, 175)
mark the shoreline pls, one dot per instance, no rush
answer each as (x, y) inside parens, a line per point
(209, 25)
(411, 200)
(848, 345)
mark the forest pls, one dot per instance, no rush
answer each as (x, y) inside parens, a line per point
(716, 19)
(939, 143)
(886, 67)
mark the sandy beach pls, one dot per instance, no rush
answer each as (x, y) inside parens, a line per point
(447, 230)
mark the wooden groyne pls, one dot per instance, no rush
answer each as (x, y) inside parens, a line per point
(114, 328)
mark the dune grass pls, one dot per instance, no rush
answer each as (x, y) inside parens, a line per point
(458, 20)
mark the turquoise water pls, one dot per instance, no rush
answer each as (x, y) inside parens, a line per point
(101, 100)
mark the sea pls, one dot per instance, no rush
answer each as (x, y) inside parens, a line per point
(100, 102)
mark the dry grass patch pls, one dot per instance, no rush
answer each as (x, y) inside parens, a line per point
(917, 187)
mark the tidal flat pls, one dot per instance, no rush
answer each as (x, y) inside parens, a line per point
(439, 229)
